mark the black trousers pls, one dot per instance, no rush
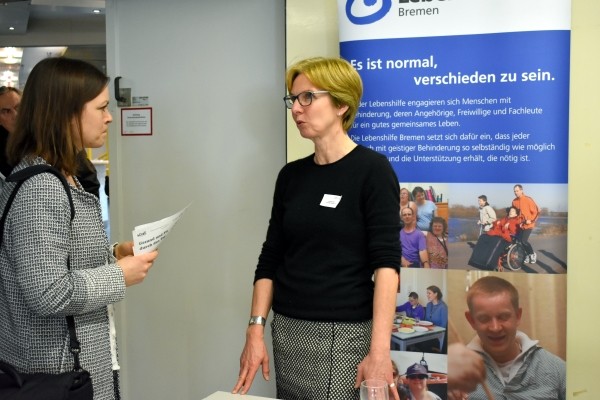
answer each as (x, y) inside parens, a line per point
(524, 236)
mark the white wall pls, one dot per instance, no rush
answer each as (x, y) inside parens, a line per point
(311, 30)
(214, 74)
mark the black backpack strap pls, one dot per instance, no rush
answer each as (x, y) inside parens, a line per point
(20, 177)
(26, 173)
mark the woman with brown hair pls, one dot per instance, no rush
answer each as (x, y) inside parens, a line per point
(53, 264)
(437, 243)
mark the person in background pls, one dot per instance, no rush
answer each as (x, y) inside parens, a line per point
(529, 215)
(417, 375)
(492, 244)
(487, 215)
(412, 239)
(508, 226)
(412, 308)
(436, 310)
(425, 209)
(52, 266)
(329, 265)
(10, 98)
(436, 242)
(402, 390)
(395, 372)
(516, 365)
(406, 201)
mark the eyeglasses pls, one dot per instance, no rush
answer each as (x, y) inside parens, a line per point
(304, 98)
(417, 377)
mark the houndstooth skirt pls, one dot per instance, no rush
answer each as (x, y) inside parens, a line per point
(318, 360)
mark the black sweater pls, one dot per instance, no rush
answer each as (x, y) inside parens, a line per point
(321, 259)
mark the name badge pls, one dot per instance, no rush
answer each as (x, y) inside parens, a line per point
(330, 200)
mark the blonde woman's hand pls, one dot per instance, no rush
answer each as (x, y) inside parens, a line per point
(254, 357)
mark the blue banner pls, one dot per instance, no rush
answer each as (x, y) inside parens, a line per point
(469, 98)
(472, 108)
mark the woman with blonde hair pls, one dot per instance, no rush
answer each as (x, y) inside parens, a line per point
(329, 265)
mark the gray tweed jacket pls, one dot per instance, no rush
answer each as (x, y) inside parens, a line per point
(37, 290)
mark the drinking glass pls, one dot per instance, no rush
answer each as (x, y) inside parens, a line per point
(374, 389)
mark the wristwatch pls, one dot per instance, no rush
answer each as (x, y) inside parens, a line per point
(113, 249)
(257, 320)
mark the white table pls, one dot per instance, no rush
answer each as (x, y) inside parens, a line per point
(230, 396)
(401, 341)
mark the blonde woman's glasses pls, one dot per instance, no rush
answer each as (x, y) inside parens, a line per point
(304, 98)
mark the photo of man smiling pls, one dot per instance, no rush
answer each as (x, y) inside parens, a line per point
(517, 367)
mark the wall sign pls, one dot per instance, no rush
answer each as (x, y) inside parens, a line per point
(136, 121)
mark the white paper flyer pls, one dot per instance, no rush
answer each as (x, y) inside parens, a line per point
(147, 237)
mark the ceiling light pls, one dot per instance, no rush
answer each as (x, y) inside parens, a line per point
(10, 60)
(96, 11)
(16, 52)
(11, 55)
(12, 28)
(8, 78)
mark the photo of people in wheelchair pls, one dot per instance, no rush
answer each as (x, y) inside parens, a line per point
(508, 227)
(504, 243)
(500, 247)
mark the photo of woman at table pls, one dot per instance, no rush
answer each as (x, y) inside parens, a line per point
(436, 311)
(408, 335)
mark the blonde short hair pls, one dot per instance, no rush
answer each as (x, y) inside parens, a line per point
(335, 75)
